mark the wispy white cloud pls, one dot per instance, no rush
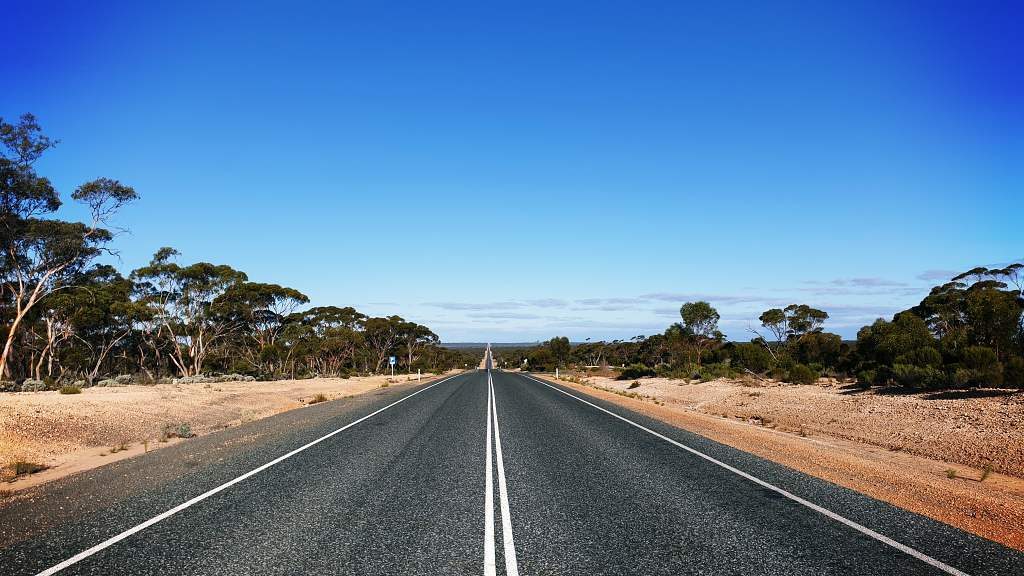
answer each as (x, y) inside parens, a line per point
(505, 315)
(475, 305)
(867, 282)
(547, 303)
(682, 297)
(936, 275)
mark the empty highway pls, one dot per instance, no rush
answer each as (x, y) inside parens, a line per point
(483, 472)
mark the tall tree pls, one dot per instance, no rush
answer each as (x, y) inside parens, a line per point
(104, 315)
(560, 349)
(185, 301)
(415, 336)
(260, 310)
(700, 320)
(41, 255)
(382, 337)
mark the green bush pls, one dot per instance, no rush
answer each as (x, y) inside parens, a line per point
(69, 389)
(925, 356)
(980, 367)
(634, 371)
(801, 374)
(911, 376)
(1013, 372)
(867, 378)
(753, 357)
(721, 370)
(32, 385)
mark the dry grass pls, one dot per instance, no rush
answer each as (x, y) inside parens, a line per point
(20, 468)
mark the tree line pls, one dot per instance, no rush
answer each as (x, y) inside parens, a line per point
(68, 317)
(968, 332)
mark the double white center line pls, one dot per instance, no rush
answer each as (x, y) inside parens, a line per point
(490, 568)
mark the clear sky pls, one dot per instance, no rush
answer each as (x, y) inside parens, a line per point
(515, 171)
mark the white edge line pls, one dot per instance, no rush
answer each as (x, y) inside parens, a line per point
(490, 565)
(511, 565)
(824, 511)
(163, 516)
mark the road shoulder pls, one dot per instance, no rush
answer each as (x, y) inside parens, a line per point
(993, 509)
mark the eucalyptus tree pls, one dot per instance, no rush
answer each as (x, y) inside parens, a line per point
(414, 337)
(700, 320)
(325, 338)
(184, 300)
(260, 311)
(382, 336)
(41, 255)
(104, 316)
(560, 349)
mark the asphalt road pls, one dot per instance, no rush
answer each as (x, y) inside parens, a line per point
(485, 472)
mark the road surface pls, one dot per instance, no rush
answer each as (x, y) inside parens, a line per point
(484, 472)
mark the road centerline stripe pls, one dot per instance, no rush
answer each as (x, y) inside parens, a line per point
(164, 515)
(511, 565)
(824, 511)
(490, 568)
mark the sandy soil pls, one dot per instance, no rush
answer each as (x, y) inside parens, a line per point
(75, 432)
(924, 453)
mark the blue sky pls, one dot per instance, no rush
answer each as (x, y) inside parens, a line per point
(515, 171)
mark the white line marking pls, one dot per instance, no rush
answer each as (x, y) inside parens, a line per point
(862, 529)
(490, 569)
(511, 566)
(110, 542)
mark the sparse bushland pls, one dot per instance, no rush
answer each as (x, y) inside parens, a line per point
(634, 371)
(967, 333)
(70, 321)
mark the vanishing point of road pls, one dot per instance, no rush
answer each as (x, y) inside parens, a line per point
(487, 472)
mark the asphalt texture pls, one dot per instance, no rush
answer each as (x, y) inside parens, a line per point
(403, 492)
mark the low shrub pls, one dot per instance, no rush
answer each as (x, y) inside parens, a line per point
(910, 376)
(317, 399)
(21, 467)
(32, 385)
(753, 357)
(213, 379)
(866, 378)
(1013, 372)
(719, 370)
(635, 384)
(69, 389)
(801, 374)
(182, 430)
(684, 372)
(634, 371)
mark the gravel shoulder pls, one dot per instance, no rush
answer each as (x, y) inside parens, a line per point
(72, 433)
(927, 453)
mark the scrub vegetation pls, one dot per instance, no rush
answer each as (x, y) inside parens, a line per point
(967, 333)
(70, 321)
